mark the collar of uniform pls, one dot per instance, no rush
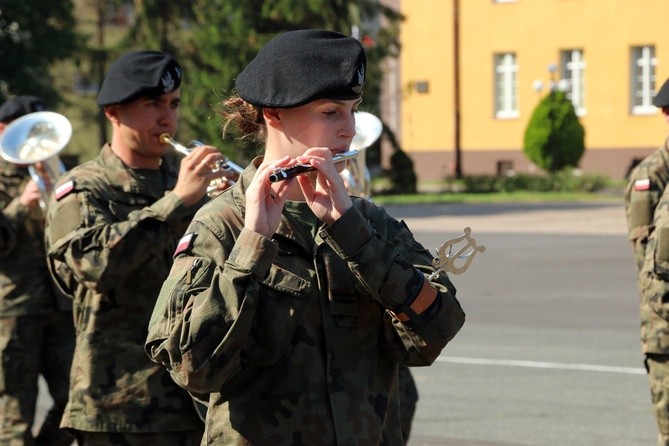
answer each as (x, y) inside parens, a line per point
(128, 180)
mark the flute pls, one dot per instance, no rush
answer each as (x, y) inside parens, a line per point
(285, 173)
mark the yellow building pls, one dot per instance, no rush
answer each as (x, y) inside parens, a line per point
(610, 55)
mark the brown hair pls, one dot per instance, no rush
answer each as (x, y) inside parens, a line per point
(242, 119)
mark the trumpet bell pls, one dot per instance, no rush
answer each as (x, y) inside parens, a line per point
(35, 137)
(368, 129)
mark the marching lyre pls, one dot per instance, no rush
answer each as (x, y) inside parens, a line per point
(445, 260)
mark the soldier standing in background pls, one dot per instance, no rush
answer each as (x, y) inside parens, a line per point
(36, 332)
(647, 212)
(112, 227)
(291, 303)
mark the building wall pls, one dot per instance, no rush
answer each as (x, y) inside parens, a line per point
(536, 31)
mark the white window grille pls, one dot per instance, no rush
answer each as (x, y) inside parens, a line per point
(506, 86)
(642, 87)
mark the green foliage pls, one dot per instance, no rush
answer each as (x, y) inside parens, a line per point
(401, 174)
(212, 39)
(566, 180)
(33, 35)
(554, 137)
(221, 36)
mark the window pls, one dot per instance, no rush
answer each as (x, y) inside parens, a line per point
(506, 86)
(573, 72)
(643, 79)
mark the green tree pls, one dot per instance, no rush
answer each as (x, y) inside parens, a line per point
(215, 39)
(34, 34)
(554, 137)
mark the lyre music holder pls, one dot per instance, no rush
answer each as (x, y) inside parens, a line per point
(445, 260)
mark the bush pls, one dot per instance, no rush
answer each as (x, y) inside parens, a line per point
(401, 175)
(567, 180)
(554, 138)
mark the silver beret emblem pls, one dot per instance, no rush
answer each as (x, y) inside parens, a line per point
(168, 81)
(361, 79)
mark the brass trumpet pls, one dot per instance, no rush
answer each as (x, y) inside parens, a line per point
(219, 184)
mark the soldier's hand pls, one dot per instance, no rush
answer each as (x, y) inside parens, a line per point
(324, 192)
(265, 200)
(31, 195)
(197, 170)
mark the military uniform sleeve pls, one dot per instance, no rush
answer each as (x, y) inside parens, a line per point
(101, 239)
(10, 219)
(188, 334)
(392, 266)
(655, 272)
(641, 197)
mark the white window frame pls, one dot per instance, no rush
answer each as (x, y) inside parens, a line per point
(573, 71)
(506, 86)
(642, 79)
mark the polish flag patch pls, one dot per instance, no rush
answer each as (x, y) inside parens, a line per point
(184, 243)
(64, 189)
(643, 184)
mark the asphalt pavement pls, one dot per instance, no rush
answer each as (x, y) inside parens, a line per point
(550, 351)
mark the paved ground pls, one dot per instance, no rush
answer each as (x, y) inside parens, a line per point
(550, 351)
(548, 218)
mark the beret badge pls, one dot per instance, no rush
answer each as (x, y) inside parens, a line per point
(168, 82)
(361, 79)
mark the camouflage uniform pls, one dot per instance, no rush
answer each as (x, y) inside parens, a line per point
(647, 211)
(292, 336)
(36, 333)
(110, 235)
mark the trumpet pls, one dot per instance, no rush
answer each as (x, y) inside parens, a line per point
(358, 180)
(34, 140)
(285, 173)
(219, 184)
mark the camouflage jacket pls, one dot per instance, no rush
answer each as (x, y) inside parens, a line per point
(654, 283)
(644, 187)
(110, 235)
(292, 336)
(25, 286)
(646, 211)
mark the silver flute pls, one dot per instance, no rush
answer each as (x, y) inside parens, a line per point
(285, 173)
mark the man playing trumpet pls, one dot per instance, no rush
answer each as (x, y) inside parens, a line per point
(112, 227)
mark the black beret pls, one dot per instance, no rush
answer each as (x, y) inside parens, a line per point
(301, 66)
(139, 74)
(20, 105)
(662, 96)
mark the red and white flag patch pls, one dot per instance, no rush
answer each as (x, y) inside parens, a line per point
(641, 185)
(185, 243)
(64, 189)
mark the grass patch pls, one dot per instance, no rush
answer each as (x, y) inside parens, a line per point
(497, 197)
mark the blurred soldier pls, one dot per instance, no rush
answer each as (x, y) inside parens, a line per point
(647, 211)
(36, 332)
(112, 227)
